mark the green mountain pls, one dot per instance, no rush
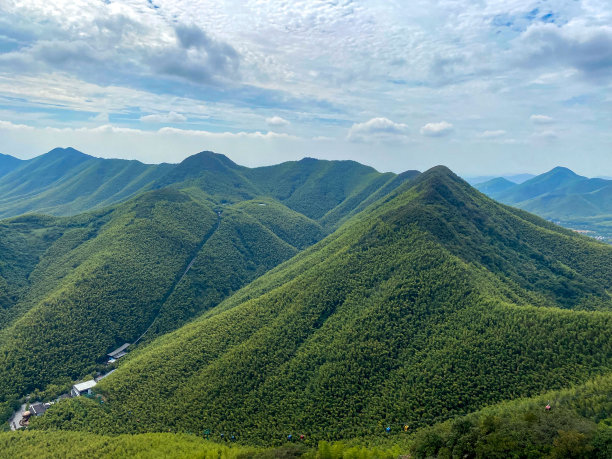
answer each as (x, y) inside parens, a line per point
(558, 194)
(562, 196)
(578, 424)
(73, 288)
(325, 191)
(434, 302)
(67, 182)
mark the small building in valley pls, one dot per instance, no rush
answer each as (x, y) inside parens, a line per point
(38, 408)
(82, 388)
(118, 353)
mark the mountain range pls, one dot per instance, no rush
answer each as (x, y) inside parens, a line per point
(560, 195)
(314, 298)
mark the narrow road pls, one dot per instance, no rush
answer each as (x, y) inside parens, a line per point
(184, 272)
(17, 416)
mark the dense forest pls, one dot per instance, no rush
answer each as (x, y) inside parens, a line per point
(413, 313)
(578, 425)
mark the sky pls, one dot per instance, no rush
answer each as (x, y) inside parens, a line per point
(484, 87)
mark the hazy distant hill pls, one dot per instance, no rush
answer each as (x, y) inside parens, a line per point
(8, 163)
(495, 186)
(434, 302)
(516, 178)
(561, 195)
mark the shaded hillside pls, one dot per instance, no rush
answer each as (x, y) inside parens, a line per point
(73, 288)
(433, 303)
(244, 246)
(8, 163)
(98, 287)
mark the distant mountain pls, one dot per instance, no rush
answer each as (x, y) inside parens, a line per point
(558, 194)
(325, 191)
(65, 181)
(516, 178)
(495, 186)
(8, 163)
(433, 302)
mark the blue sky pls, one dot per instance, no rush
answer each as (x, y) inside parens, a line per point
(484, 87)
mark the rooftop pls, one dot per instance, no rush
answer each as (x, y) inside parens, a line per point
(38, 408)
(83, 386)
(119, 350)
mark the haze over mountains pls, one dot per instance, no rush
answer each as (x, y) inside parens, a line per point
(315, 298)
(560, 195)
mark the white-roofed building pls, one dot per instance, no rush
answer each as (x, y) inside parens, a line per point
(82, 388)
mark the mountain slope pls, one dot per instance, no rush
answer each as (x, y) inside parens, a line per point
(66, 182)
(577, 425)
(559, 194)
(413, 312)
(73, 288)
(550, 182)
(324, 191)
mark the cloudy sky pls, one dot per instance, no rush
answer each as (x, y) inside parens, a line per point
(485, 87)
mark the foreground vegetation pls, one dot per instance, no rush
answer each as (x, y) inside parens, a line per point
(578, 425)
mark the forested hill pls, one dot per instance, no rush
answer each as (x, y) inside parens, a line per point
(68, 182)
(434, 302)
(74, 288)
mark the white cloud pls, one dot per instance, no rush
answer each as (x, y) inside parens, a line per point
(164, 118)
(440, 129)
(577, 44)
(492, 134)
(377, 130)
(546, 135)
(541, 119)
(277, 121)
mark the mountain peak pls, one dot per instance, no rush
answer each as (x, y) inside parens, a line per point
(65, 152)
(560, 170)
(208, 160)
(438, 174)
